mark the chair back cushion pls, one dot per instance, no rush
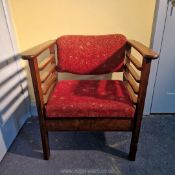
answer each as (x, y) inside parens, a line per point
(98, 54)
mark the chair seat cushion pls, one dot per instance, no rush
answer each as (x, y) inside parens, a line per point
(97, 54)
(90, 98)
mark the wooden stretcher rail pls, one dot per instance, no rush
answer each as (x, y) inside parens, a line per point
(135, 75)
(46, 61)
(45, 74)
(132, 82)
(134, 61)
(52, 80)
(133, 96)
(89, 124)
(46, 97)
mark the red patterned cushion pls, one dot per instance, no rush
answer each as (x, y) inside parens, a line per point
(90, 98)
(91, 54)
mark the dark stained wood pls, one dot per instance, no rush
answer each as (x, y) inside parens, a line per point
(37, 50)
(40, 106)
(49, 92)
(51, 80)
(148, 56)
(133, 96)
(132, 82)
(127, 51)
(134, 61)
(46, 61)
(139, 108)
(132, 72)
(52, 49)
(92, 124)
(143, 50)
(89, 124)
(44, 75)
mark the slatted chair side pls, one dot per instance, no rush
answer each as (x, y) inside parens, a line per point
(137, 85)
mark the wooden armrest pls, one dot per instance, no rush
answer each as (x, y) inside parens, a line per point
(37, 50)
(143, 50)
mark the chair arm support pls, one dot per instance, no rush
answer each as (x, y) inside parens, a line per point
(37, 50)
(143, 50)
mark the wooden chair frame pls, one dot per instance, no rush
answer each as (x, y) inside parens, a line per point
(135, 83)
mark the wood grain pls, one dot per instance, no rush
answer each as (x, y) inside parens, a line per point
(133, 72)
(134, 61)
(37, 50)
(132, 82)
(89, 124)
(49, 92)
(44, 84)
(46, 73)
(52, 80)
(133, 96)
(143, 50)
(46, 61)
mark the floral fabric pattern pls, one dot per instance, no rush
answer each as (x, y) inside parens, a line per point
(90, 98)
(97, 54)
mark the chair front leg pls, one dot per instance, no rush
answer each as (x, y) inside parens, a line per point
(45, 142)
(134, 140)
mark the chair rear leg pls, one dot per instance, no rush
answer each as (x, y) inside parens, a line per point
(45, 143)
(134, 142)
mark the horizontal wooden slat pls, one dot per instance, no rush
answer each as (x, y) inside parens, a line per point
(45, 86)
(45, 74)
(131, 93)
(46, 61)
(132, 82)
(46, 97)
(134, 61)
(133, 72)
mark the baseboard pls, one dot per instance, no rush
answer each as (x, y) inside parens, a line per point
(33, 109)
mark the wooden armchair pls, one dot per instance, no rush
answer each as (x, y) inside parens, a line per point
(90, 105)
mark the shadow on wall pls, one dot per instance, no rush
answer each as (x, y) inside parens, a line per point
(14, 98)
